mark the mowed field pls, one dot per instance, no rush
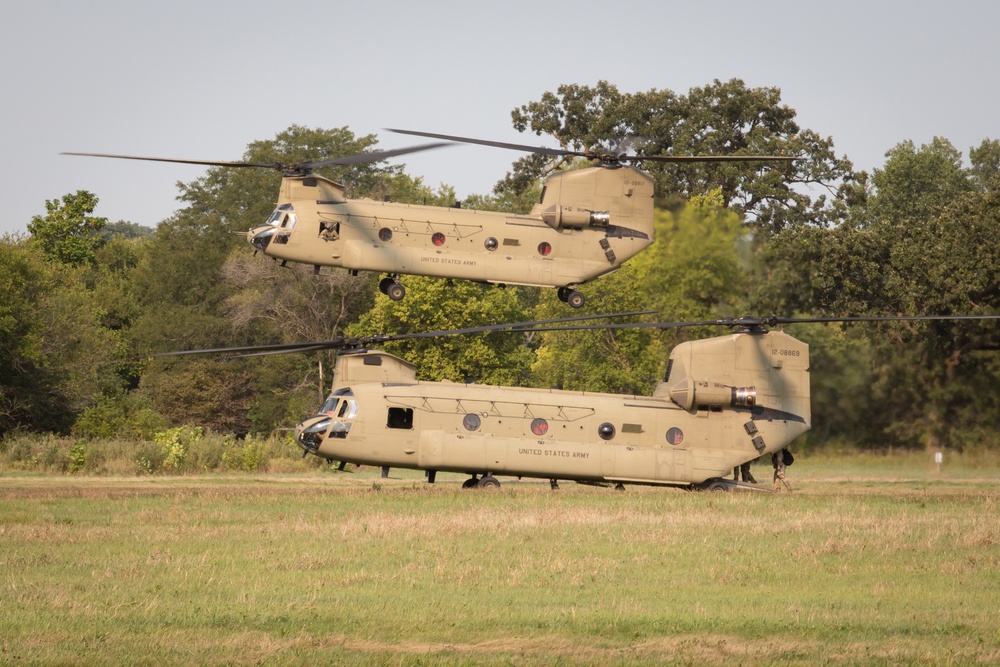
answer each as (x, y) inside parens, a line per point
(870, 561)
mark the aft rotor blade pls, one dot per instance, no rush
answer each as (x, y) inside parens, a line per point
(596, 155)
(756, 322)
(365, 158)
(875, 318)
(710, 158)
(496, 144)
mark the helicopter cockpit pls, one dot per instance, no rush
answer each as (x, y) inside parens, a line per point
(277, 229)
(333, 421)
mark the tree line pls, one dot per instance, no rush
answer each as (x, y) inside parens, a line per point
(88, 300)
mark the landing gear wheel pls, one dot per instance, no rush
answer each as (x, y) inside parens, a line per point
(575, 299)
(383, 285)
(717, 485)
(488, 482)
(563, 294)
(471, 483)
(395, 291)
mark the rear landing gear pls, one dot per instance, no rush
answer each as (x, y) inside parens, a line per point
(570, 296)
(716, 484)
(391, 288)
(487, 481)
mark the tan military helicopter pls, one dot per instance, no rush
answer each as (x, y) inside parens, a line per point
(586, 224)
(724, 401)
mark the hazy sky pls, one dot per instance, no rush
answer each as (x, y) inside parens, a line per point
(202, 79)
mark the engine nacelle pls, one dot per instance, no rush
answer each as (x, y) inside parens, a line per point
(569, 217)
(690, 392)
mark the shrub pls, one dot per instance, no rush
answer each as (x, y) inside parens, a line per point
(76, 458)
(175, 443)
(148, 458)
(119, 417)
(246, 456)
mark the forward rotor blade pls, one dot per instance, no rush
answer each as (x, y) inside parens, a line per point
(561, 324)
(361, 158)
(342, 342)
(210, 163)
(277, 348)
(526, 327)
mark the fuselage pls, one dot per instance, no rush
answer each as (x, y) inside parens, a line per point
(727, 400)
(587, 223)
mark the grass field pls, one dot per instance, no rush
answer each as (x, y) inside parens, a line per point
(871, 561)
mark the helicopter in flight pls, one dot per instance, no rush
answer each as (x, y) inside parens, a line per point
(724, 401)
(586, 224)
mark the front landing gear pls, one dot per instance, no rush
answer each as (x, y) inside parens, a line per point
(570, 296)
(391, 288)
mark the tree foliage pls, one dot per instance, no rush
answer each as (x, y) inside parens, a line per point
(624, 361)
(291, 305)
(201, 287)
(928, 243)
(919, 236)
(985, 160)
(55, 356)
(68, 232)
(693, 271)
(434, 304)
(723, 118)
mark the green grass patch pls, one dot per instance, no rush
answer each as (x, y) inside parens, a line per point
(852, 568)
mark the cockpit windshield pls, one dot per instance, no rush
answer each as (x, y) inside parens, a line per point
(337, 411)
(283, 216)
(344, 409)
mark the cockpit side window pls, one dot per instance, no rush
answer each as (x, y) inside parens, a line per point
(348, 409)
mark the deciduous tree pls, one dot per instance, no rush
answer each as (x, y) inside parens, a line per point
(927, 243)
(68, 232)
(434, 304)
(693, 271)
(722, 118)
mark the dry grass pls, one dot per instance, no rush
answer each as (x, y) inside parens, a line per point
(858, 566)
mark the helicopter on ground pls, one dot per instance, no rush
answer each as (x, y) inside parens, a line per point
(724, 401)
(587, 223)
